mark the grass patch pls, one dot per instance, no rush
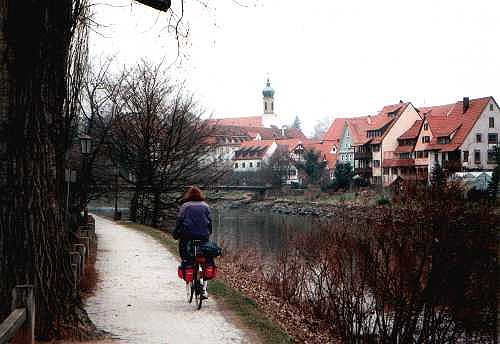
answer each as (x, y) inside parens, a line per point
(243, 307)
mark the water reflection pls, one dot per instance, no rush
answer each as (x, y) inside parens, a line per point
(263, 231)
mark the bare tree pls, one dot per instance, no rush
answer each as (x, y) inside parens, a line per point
(321, 127)
(161, 140)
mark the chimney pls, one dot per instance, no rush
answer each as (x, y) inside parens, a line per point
(466, 103)
(283, 132)
(400, 101)
(369, 119)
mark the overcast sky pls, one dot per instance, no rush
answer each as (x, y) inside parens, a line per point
(324, 58)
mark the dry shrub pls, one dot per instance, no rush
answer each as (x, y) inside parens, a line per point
(424, 273)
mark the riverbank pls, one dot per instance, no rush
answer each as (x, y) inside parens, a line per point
(325, 206)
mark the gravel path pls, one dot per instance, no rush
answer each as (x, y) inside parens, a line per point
(139, 298)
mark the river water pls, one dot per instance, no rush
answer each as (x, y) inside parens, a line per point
(262, 231)
(239, 229)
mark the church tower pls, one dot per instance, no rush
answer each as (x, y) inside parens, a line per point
(268, 94)
(269, 118)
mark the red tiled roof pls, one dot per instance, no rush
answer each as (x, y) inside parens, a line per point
(257, 151)
(403, 149)
(413, 132)
(456, 121)
(251, 121)
(325, 150)
(442, 126)
(335, 131)
(440, 110)
(398, 162)
(382, 118)
(274, 133)
(358, 127)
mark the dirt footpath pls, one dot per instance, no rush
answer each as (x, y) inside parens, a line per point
(139, 298)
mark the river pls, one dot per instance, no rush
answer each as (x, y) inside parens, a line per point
(240, 229)
(262, 231)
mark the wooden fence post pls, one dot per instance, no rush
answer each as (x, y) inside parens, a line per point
(75, 265)
(86, 242)
(81, 249)
(22, 297)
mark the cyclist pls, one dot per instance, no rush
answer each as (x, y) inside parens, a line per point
(193, 223)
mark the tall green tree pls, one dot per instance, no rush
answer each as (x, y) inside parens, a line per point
(313, 166)
(296, 123)
(343, 175)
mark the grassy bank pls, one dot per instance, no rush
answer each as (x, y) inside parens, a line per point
(242, 307)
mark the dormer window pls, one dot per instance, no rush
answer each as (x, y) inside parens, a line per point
(334, 149)
(426, 126)
(392, 114)
(443, 140)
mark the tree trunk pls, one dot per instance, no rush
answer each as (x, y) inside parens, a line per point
(156, 208)
(34, 247)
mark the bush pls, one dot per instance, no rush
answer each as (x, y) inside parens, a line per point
(383, 201)
(475, 195)
(408, 275)
(361, 182)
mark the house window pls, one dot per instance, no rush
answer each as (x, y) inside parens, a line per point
(376, 148)
(426, 154)
(258, 163)
(426, 126)
(491, 156)
(420, 155)
(272, 106)
(265, 106)
(466, 156)
(477, 157)
(426, 139)
(251, 164)
(243, 165)
(386, 171)
(478, 138)
(492, 122)
(492, 138)
(236, 165)
(491, 108)
(443, 140)
(376, 163)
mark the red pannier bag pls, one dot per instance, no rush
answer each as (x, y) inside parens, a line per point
(209, 270)
(185, 272)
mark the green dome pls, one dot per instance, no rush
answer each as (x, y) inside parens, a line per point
(268, 90)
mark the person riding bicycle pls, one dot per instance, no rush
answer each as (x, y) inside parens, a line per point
(193, 222)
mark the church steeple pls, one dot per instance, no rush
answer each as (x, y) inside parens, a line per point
(268, 94)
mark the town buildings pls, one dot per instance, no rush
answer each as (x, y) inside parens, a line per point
(401, 141)
(405, 142)
(229, 135)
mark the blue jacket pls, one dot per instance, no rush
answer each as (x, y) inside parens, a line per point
(193, 221)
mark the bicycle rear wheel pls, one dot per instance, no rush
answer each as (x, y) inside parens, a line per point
(199, 293)
(190, 291)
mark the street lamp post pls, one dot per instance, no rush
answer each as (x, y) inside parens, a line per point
(86, 147)
(117, 215)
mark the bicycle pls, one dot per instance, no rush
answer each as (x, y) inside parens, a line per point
(197, 285)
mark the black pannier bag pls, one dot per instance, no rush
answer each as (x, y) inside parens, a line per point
(210, 249)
